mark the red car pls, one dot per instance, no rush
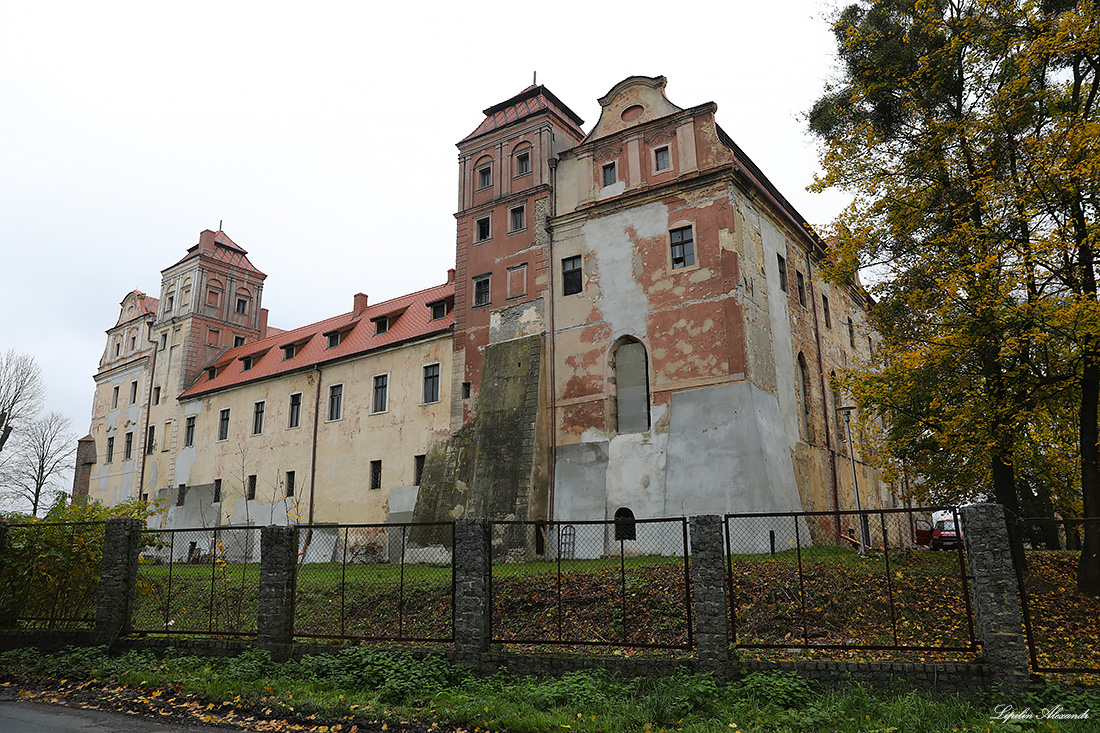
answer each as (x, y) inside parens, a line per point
(945, 535)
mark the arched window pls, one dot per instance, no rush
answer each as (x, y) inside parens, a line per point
(624, 524)
(632, 388)
(804, 394)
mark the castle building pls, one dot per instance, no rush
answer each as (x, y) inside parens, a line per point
(635, 327)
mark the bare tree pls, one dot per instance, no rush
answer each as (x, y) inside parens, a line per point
(21, 392)
(41, 455)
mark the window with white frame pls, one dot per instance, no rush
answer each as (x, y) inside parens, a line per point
(482, 290)
(223, 424)
(294, 412)
(336, 402)
(258, 417)
(518, 218)
(662, 159)
(380, 395)
(683, 248)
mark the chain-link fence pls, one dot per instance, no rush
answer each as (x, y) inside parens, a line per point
(198, 581)
(848, 580)
(375, 581)
(612, 583)
(49, 575)
(1062, 623)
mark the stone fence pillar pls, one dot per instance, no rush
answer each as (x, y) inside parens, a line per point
(998, 621)
(278, 575)
(472, 574)
(118, 576)
(709, 603)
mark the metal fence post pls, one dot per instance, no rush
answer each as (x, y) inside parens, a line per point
(278, 576)
(118, 576)
(472, 573)
(997, 618)
(708, 579)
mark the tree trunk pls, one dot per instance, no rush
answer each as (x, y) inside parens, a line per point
(1088, 565)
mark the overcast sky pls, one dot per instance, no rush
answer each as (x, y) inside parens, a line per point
(323, 135)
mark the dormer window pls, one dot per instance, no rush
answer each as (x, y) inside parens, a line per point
(334, 339)
(609, 174)
(211, 372)
(246, 363)
(289, 351)
(381, 325)
(439, 310)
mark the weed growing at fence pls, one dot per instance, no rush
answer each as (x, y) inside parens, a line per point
(360, 684)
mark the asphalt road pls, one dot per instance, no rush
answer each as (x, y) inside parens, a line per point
(41, 717)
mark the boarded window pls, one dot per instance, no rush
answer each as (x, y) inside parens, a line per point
(632, 382)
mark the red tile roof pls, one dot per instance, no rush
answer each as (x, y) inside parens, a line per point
(224, 250)
(532, 100)
(146, 304)
(359, 338)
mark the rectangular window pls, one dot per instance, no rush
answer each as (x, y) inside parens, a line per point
(156, 395)
(110, 450)
(484, 177)
(212, 297)
(114, 398)
(381, 325)
(288, 351)
(181, 495)
(683, 248)
(151, 439)
(609, 174)
(164, 340)
(484, 229)
(439, 310)
(133, 393)
(290, 483)
(242, 306)
(418, 470)
(189, 432)
(523, 164)
(800, 280)
(466, 389)
(129, 451)
(251, 496)
(571, 282)
(168, 303)
(431, 383)
(381, 393)
(481, 291)
(133, 343)
(258, 418)
(217, 491)
(782, 272)
(376, 474)
(238, 341)
(517, 281)
(246, 363)
(661, 159)
(334, 339)
(336, 402)
(294, 413)
(213, 336)
(825, 310)
(223, 424)
(518, 219)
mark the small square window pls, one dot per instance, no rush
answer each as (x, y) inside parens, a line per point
(661, 159)
(381, 325)
(782, 272)
(482, 295)
(800, 281)
(609, 174)
(336, 402)
(484, 177)
(571, 281)
(683, 248)
(518, 218)
(523, 164)
(439, 310)
(289, 351)
(376, 474)
(380, 399)
(251, 496)
(484, 229)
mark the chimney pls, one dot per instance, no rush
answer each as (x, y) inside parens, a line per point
(263, 322)
(359, 305)
(451, 275)
(206, 241)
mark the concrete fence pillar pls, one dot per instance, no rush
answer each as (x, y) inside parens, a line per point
(998, 621)
(278, 575)
(709, 603)
(472, 575)
(118, 577)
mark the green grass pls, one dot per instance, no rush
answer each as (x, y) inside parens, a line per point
(360, 684)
